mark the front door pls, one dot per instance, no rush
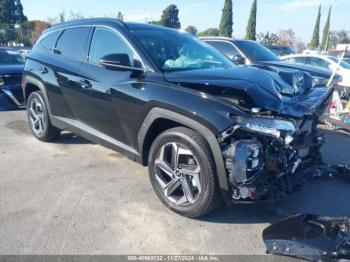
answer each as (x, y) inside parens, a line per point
(105, 96)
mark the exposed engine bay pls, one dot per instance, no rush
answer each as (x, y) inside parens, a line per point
(268, 159)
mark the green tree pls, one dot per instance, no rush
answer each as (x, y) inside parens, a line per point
(8, 33)
(315, 41)
(226, 22)
(326, 32)
(11, 12)
(170, 17)
(192, 30)
(251, 27)
(210, 32)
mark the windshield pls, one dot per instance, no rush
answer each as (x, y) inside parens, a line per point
(342, 63)
(9, 57)
(176, 51)
(256, 52)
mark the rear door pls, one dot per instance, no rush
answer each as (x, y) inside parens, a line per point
(69, 53)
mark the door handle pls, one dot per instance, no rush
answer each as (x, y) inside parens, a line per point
(85, 84)
(44, 70)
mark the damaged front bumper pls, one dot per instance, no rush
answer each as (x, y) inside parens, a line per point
(269, 158)
(11, 97)
(310, 237)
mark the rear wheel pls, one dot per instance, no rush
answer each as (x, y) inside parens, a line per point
(182, 172)
(38, 118)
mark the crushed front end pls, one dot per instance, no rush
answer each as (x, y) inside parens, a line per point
(11, 94)
(269, 156)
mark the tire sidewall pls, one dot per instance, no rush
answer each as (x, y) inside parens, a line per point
(206, 170)
(38, 95)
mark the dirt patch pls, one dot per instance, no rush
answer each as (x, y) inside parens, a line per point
(19, 126)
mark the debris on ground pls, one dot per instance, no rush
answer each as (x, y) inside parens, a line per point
(310, 237)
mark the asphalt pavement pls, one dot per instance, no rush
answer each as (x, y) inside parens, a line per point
(76, 197)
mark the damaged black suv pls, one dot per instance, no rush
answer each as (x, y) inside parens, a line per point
(206, 128)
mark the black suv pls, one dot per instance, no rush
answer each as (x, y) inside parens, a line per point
(206, 128)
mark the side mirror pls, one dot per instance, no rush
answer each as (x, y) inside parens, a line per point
(238, 60)
(120, 62)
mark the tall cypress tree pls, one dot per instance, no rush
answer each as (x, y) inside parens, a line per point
(325, 39)
(251, 27)
(226, 22)
(315, 41)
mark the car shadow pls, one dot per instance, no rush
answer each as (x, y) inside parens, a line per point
(67, 138)
(323, 196)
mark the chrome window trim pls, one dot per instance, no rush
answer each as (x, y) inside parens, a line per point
(103, 26)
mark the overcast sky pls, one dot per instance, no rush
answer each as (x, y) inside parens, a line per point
(273, 15)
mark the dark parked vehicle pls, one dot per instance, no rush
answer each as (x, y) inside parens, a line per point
(11, 68)
(281, 50)
(255, 54)
(206, 128)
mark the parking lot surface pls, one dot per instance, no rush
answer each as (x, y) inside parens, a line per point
(76, 197)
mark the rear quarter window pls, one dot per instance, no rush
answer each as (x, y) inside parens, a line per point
(72, 42)
(47, 43)
(50, 40)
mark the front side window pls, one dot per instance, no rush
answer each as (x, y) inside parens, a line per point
(172, 50)
(315, 61)
(72, 42)
(299, 60)
(226, 48)
(256, 52)
(106, 42)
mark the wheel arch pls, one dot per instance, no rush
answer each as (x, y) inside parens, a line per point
(31, 84)
(159, 120)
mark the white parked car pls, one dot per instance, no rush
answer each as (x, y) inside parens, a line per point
(325, 61)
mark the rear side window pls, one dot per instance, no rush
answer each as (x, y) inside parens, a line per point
(72, 42)
(299, 60)
(315, 61)
(226, 48)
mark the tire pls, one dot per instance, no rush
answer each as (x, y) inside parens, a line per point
(174, 183)
(38, 118)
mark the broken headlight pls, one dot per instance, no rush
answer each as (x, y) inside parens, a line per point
(268, 126)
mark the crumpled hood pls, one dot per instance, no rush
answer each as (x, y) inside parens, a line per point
(254, 86)
(312, 70)
(11, 69)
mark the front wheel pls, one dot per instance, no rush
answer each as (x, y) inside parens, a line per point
(182, 172)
